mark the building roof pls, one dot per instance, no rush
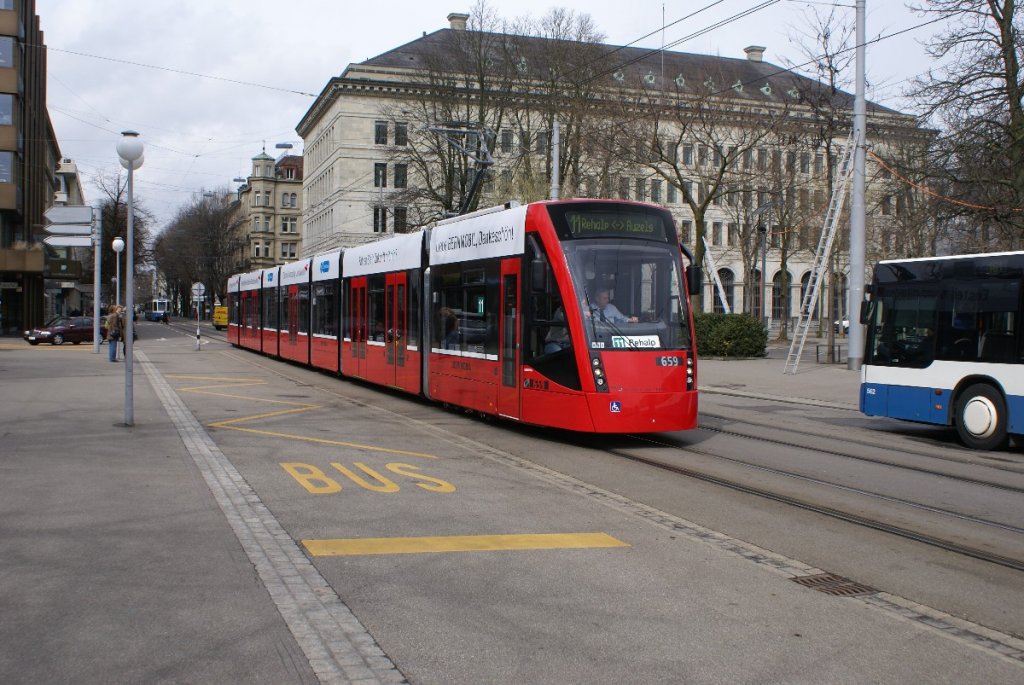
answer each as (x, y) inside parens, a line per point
(745, 78)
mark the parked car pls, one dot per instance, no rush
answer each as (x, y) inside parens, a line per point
(61, 329)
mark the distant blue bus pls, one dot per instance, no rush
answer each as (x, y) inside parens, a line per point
(945, 345)
(155, 309)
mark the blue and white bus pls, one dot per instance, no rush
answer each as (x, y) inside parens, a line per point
(944, 345)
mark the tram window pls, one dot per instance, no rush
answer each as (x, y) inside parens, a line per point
(413, 334)
(303, 304)
(548, 344)
(466, 308)
(270, 309)
(325, 308)
(375, 312)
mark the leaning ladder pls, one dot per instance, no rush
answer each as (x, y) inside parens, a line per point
(714, 274)
(828, 233)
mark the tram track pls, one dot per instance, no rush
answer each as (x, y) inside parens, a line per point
(863, 458)
(831, 512)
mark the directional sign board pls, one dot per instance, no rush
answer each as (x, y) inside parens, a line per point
(68, 240)
(69, 229)
(69, 214)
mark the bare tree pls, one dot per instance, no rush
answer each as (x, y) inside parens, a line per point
(199, 246)
(114, 215)
(975, 97)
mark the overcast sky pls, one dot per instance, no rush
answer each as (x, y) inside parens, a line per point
(251, 67)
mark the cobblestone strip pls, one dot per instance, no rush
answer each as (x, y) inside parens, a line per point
(338, 646)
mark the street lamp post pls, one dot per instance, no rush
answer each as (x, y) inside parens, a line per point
(118, 246)
(130, 150)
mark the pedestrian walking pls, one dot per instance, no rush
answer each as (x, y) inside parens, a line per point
(115, 330)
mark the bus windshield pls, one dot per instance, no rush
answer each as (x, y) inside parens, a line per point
(630, 294)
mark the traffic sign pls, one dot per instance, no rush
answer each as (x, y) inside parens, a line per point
(69, 214)
(69, 229)
(68, 240)
(198, 290)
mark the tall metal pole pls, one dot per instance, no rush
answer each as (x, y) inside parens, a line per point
(855, 351)
(117, 278)
(97, 276)
(129, 301)
(764, 274)
(554, 160)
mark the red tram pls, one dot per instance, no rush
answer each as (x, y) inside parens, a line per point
(572, 314)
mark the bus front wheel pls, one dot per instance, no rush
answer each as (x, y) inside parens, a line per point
(981, 417)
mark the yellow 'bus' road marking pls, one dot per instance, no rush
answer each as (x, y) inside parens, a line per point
(459, 543)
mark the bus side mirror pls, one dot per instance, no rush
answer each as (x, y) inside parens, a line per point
(538, 274)
(867, 311)
(694, 279)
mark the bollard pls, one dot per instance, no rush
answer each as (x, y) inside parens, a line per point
(198, 345)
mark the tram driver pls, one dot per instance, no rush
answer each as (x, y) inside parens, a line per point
(602, 309)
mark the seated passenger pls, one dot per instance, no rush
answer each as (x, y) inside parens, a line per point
(557, 338)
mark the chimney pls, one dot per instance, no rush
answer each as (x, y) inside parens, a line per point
(755, 53)
(458, 21)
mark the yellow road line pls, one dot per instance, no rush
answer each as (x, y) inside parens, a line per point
(299, 407)
(325, 441)
(459, 543)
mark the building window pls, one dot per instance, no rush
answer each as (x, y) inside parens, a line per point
(702, 155)
(623, 188)
(671, 194)
(380, 133)
(268, 223)
(380, 219)
(6, 52)
(380, 175)
(542, 142)
(686, 229)
(506, 180)
(655, 190)
(688, 154)
(401, 133)
(748, 159)
(401, 175)
(289, 224)
(284, 199)
(641, 189)
(256, 245)
(257, 224)
(6, 109)
(805, 162)
(256, 198)
(716, 234)
(401, 219)
(506, 140)
(819, 163)
(295, 199)
(287, 250)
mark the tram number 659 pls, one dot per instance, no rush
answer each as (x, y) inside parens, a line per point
(668, 361)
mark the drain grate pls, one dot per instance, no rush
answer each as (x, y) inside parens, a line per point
(834, 585)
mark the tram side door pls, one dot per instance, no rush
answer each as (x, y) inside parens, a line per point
(396, 293)
(358, 327)
(293, 314)
(509, 386)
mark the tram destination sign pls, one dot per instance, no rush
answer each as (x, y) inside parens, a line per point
(617, 224)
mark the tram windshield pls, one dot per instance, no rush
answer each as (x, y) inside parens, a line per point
(630, 293)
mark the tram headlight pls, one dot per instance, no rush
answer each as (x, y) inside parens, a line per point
(599, 377)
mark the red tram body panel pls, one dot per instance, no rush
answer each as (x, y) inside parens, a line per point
(325, 312)
(381, 286)
(233, 309)
(293, 292)
(249, 286)
(571, 314)
(270, 311)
